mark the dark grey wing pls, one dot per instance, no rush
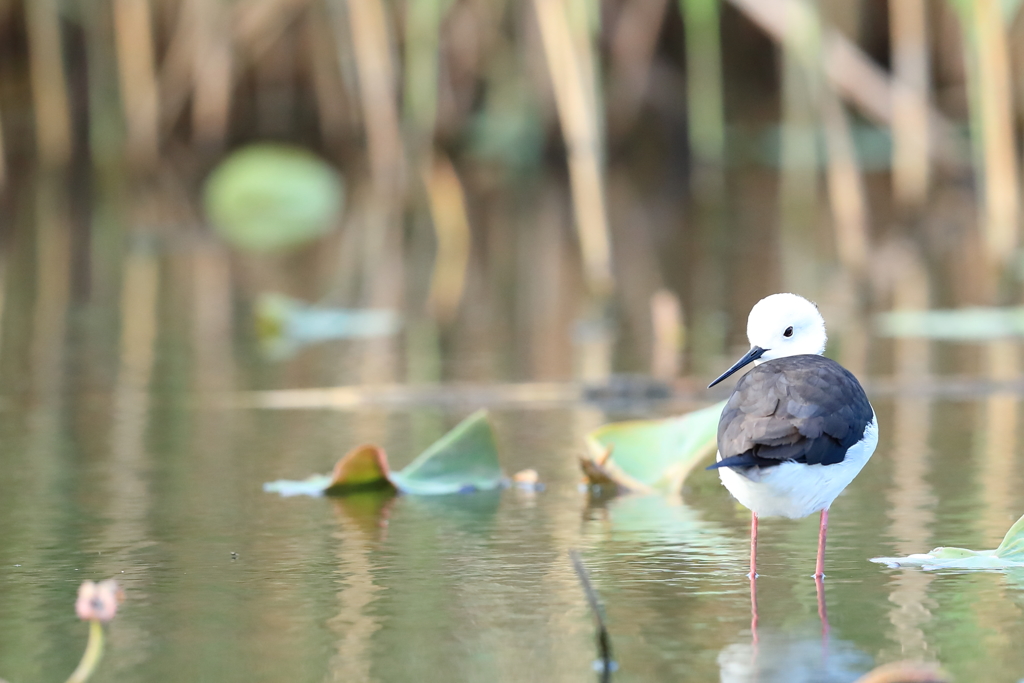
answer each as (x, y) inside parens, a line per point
(807, 409)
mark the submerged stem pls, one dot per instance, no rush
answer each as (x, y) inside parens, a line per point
(604, 641)
(93, 653)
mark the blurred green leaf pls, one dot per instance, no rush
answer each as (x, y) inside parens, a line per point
(1009, 554)
(510, 127)
(266, 198)
(285, 324)
(647, 455)
(465, 459)
(964, 324)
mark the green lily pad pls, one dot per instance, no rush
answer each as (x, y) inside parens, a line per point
(465, 459)
(266, 198)
(1009, 555)
(651, 455)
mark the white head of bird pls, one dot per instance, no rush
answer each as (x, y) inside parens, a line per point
(781, 325)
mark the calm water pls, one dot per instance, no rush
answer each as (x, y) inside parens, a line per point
(160, 491)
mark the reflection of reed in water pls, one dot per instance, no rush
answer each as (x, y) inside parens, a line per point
(996, 441)
(129, 502)
(52, 285)
(911, 498)
(355, 623)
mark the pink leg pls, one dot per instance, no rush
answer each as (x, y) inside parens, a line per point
(753, 546)
(819, 569)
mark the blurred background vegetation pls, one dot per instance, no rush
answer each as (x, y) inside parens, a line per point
(544, 189)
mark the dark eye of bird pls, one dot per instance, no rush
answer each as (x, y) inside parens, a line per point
(788, 332)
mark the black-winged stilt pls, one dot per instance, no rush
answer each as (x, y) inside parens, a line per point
(798, 427)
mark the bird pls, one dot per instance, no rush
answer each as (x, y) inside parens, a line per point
(798, 427)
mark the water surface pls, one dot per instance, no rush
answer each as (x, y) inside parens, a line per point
(162, 491)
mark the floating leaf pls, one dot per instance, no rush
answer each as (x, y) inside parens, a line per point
(272, 197)
(465, 459)
(285, 324)
(1009, 554)
(314, 485)
(649, 455)
(963, 324)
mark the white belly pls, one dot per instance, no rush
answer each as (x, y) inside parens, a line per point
(796, 490)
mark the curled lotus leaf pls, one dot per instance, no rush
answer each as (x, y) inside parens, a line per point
(651, 455)
(465, 459)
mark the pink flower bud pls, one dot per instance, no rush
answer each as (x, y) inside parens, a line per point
(98, 600)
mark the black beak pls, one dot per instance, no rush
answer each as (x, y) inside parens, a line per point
(749, 357)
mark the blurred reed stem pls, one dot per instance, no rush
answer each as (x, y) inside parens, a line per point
(846, 191)
(106, 125)
(911, 69)
(632, 47)
(3, 155)
(999, 143)
(368, 23)
(371, 42)
(568, 47)
(798, 184)
(49, 83)
(705, 112)
(178, 65)
(854, 75)
(275, 86)
(211, 74)
(706, 131)
(422, 45)
(451, 227)
(133, 33)
(333, 112)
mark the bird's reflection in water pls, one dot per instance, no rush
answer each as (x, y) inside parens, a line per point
(792, 657)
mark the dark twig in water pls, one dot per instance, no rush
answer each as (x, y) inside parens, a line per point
(604, 641)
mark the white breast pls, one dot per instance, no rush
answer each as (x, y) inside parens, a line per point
(794, 489)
